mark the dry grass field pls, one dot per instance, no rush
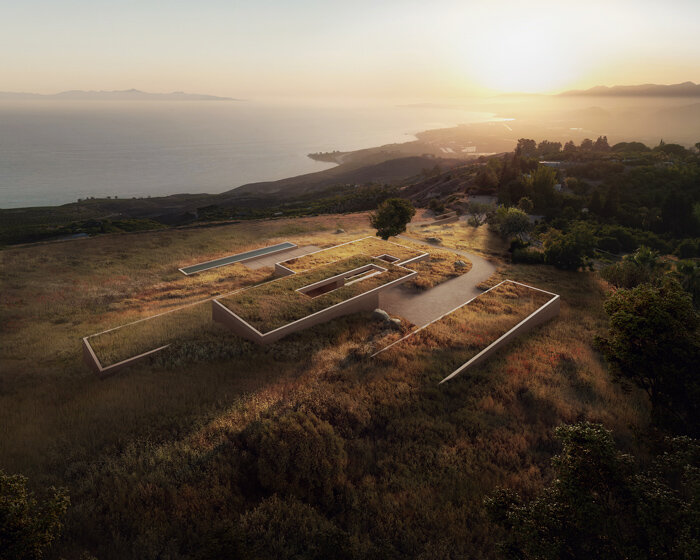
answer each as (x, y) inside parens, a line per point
(192, 453)
(460, 235)
(372, 246)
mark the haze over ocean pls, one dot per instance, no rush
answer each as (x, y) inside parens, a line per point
(54, 152)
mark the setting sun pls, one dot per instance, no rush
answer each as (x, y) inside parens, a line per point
(523, 59)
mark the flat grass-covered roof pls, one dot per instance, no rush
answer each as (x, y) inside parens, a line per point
(370, 246)
(464, 332)
(277, 303)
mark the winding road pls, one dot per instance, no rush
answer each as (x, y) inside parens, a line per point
(425, 306)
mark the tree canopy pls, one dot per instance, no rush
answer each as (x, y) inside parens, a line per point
(391, 217)
(653, 343)
(601, 505)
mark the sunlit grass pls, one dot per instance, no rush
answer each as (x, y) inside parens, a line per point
(371, 246)
(277, 303)
(462, 334)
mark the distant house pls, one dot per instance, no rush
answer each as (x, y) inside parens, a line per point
(553, 164)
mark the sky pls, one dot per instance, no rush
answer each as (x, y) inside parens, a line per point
(438, 49)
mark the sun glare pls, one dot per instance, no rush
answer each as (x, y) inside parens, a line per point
(523, 55)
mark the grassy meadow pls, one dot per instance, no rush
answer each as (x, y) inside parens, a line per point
(460, 235)
(372, 247)
(217, 447)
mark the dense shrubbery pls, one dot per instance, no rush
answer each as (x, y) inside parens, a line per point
(297, 454)
(28, 525)
(654, 343)
(601, 504)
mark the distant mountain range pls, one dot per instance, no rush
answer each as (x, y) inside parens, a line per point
(124, 95)
(686, 89)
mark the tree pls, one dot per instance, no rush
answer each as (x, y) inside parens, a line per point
(601, 144)
(547, 147)
(569, 251)
(586, 145)
(541, 185)
(28, 525)
(391, 217)
(526, 205)
(643, 266)
(510, 222)
(671, 149)
(570, 147)
(677, 214)
(600, 504)
(526, 147)
(653, 343)
(478, 213)
(436, 205)
(487, 177)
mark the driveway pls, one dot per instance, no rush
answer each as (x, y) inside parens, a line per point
(422, 307)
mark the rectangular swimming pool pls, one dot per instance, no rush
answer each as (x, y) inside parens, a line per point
(237, 258)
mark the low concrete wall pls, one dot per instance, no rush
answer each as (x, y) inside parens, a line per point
(223, 315)
(419, 258)
(281, 270)
(548, 311)
(247, 259)
(93, 362)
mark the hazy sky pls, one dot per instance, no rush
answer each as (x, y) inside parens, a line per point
(362, 48)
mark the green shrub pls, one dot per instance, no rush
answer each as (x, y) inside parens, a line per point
(528, 256)
(287, 528)
(28, 526)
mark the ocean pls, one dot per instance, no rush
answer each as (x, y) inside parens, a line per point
(55, 152)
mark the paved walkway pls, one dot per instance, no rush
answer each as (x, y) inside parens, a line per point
(270, 260)
(421, 307)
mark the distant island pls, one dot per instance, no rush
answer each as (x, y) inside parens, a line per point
(686, 89)
(121, 95)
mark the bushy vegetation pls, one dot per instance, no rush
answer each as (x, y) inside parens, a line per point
(654, 343)
(602, 504)
(28, 524)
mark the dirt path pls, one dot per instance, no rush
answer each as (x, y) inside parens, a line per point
(421, 307)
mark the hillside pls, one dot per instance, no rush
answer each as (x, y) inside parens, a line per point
(222, 448)
(685, 89)
(122, 95)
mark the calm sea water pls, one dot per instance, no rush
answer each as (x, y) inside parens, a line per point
(58, 151)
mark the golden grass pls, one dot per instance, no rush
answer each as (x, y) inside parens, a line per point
(372, 246)
(460, 235)
(467, 331)
(437, 268)
(136, 338)
(277, 303)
